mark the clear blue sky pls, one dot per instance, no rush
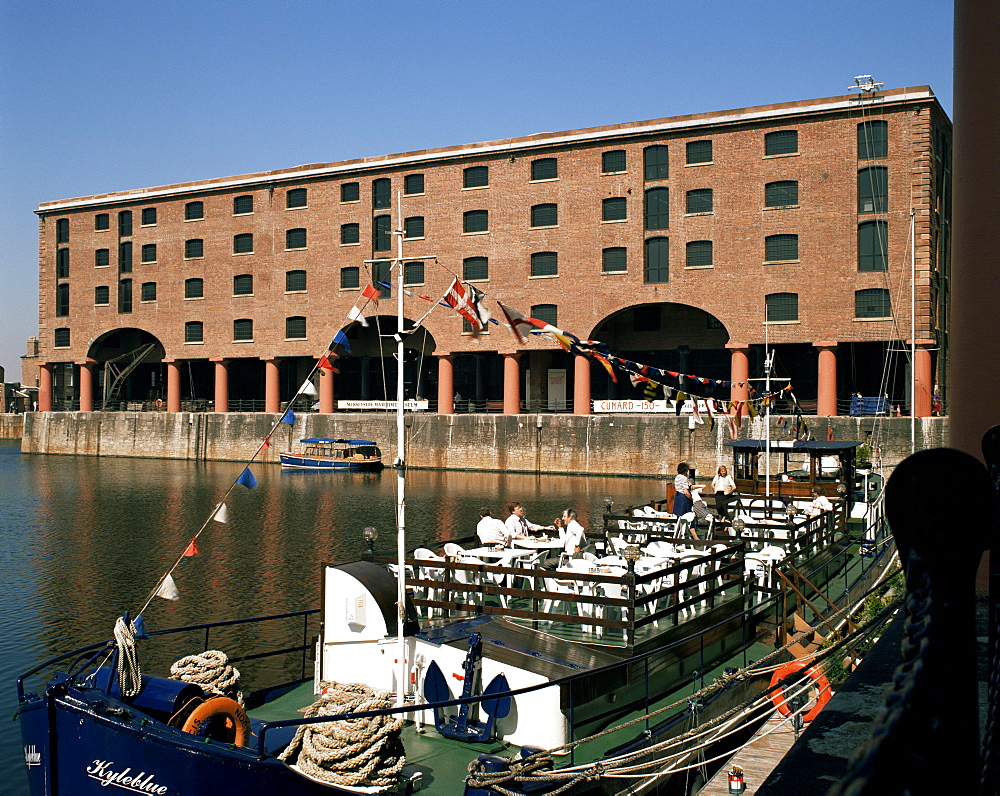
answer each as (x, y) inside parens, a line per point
(107, 95)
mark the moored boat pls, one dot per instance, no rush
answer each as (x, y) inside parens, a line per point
(319, 453)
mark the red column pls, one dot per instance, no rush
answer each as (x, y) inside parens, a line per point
(272, 399)
(326, 401)
(45, 387)
(173, 385)
(446, 383)
(739, 371)
(581, 385)
(923, 379)
(511, 382)
(221, 384)
(87, 385)
(826, 382)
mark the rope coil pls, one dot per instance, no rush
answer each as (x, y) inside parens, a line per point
(355, 752)
(129, 673)
(212, 671)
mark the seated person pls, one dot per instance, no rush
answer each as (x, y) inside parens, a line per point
(819, 504)
(518, 526)
(572, 535)
(490, 530)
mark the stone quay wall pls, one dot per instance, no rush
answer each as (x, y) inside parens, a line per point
(11, 426)
(620, 445)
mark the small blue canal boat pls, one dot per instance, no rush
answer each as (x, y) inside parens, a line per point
(335, 454)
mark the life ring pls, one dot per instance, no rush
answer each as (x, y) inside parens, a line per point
(778, 696)
(221, 719)
(159, 403)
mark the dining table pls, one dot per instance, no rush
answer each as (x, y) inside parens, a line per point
(538, 543)
(495, 553)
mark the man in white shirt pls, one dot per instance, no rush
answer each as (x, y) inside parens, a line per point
(820, 504)
(572, 534)
(518, 526)
(490, 530)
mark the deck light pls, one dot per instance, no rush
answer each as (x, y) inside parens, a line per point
(609, 504)
(631, 554)
(370, 535)
(739, 525)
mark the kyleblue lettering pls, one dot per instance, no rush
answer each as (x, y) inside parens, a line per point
(142, 782)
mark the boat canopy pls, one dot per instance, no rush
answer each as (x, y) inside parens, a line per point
(326, 441)
(820, 446)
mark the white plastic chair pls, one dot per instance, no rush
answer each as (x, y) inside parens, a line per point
(454, 550)
(471, 578)
(429, 572)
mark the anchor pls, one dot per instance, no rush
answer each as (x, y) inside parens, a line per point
(464, 726)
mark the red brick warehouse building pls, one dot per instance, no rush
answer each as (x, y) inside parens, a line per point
(683, 243)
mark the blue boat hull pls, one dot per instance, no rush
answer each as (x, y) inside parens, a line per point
(313, 463)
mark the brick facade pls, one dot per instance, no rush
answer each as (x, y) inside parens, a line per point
(824, 275)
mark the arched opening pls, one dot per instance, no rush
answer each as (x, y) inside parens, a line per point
(129, 368)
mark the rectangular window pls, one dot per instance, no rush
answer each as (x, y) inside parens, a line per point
(413, 273)
(194, 288)
(60, 338)
(350, 277)
(149, 252)
(125, 223)
(413, 227)
(614, 209)
(62, 230)
(243, 243)
(778, 248)
(62, 300)
(475, 221)
(476, 177)
(781, 194)
(295, 239)
(873, 243)
(656, 208)
(873, 190)
(149, 216)
(699, 254)
(194, 211)
(873, 140)
(382, 277)
(382, 233)
(194, 332)
(194, 248)
(102, 258)
(656, 265)
(475, 268)
(782, 307)
(243, 285)
(125, 257)
(102, 222)
(381, 193)
(295, 281)
(699, 200)
(654, 163)
(242, 205)
(295, 328)
(124, 296)
(873, 303)
(699, 152)
(242, 330)
(413, 184)
(102, 295)
(350, 233)
(545, 264)
(548, 313)
(544, 169)
(148, 291)
(546, 215)
(614, 260)
(781, 142)
(613, 162)
(350, 192)
(62, 263)
(295, 198)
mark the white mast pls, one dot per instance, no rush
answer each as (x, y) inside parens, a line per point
(401, 679)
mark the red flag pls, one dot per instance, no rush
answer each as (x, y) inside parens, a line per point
(370, 293)
(192, 549)
(267, 441)
(829, 431)
(324, 362)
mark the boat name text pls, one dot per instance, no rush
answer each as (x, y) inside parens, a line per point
(138, 783)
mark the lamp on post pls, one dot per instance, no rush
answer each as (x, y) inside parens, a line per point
(631, 554)
(370, 535)
(609, 505)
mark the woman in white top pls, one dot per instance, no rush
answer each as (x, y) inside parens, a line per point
(723, 485)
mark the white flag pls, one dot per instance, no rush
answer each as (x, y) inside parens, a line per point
(168, 589)
(308, 388)
(356, 315)
(222, 515)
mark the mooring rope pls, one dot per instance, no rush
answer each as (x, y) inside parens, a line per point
(212, 671)
(129, 674)
(353, 752)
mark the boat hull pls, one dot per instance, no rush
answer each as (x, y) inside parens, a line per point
(316, 463)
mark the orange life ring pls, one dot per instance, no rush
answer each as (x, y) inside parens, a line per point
(221, 719)
(778, 696)
(159, 403)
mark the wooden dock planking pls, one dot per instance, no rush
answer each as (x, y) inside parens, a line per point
(757, 759)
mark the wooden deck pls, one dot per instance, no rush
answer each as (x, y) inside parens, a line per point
(757, 759)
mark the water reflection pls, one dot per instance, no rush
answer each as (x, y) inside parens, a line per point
(83, 539)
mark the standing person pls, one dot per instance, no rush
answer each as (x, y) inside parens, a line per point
(490, 530)
(682, 485)
(723, 485)
(820, 504)
(518, 526)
